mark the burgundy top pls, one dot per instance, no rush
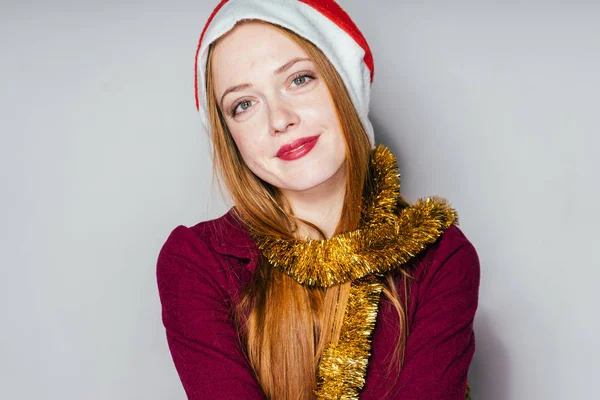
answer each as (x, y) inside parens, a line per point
(201, 271)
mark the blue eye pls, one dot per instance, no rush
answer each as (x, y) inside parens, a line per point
(244, 104)
(301, 79)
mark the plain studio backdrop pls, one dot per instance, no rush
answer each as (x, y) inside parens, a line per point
(493, 105)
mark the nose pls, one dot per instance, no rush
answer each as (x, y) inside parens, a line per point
(283, 116)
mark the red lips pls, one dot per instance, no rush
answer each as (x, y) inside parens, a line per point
(298, 148)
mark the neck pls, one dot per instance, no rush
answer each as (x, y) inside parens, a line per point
(321, 206)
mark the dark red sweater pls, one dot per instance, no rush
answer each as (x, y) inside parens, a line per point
(201, 271)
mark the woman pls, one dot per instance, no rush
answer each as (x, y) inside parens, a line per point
(321, 282)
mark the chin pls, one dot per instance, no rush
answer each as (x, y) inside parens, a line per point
(311, 178)
(301, 186)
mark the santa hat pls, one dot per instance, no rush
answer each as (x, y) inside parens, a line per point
(322, 22)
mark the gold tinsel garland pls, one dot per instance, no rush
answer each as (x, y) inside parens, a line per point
(384, 241)
(343, 368)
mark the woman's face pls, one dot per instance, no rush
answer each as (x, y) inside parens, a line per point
(278, 109)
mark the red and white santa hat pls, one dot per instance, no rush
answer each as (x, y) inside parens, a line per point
(322, 22)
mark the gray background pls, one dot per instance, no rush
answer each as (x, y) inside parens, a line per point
(493, 105)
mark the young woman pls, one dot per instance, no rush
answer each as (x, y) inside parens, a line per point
(321, 281)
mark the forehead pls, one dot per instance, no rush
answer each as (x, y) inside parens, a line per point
(252, 47)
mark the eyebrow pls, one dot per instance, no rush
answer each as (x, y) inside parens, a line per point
(278, 71)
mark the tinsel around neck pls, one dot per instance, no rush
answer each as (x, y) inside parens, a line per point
(386, 238)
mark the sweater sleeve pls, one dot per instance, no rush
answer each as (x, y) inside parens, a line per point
(199, 325)
(441, 344)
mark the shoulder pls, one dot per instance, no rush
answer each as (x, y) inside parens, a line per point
(453, 240)
(220, 236)
(450, 256)
(451, 261)
(210, 252)
(186, 241)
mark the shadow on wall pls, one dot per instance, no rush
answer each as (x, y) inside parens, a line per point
(490, 356)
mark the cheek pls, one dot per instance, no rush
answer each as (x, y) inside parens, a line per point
(322, 107)
(249, 148)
